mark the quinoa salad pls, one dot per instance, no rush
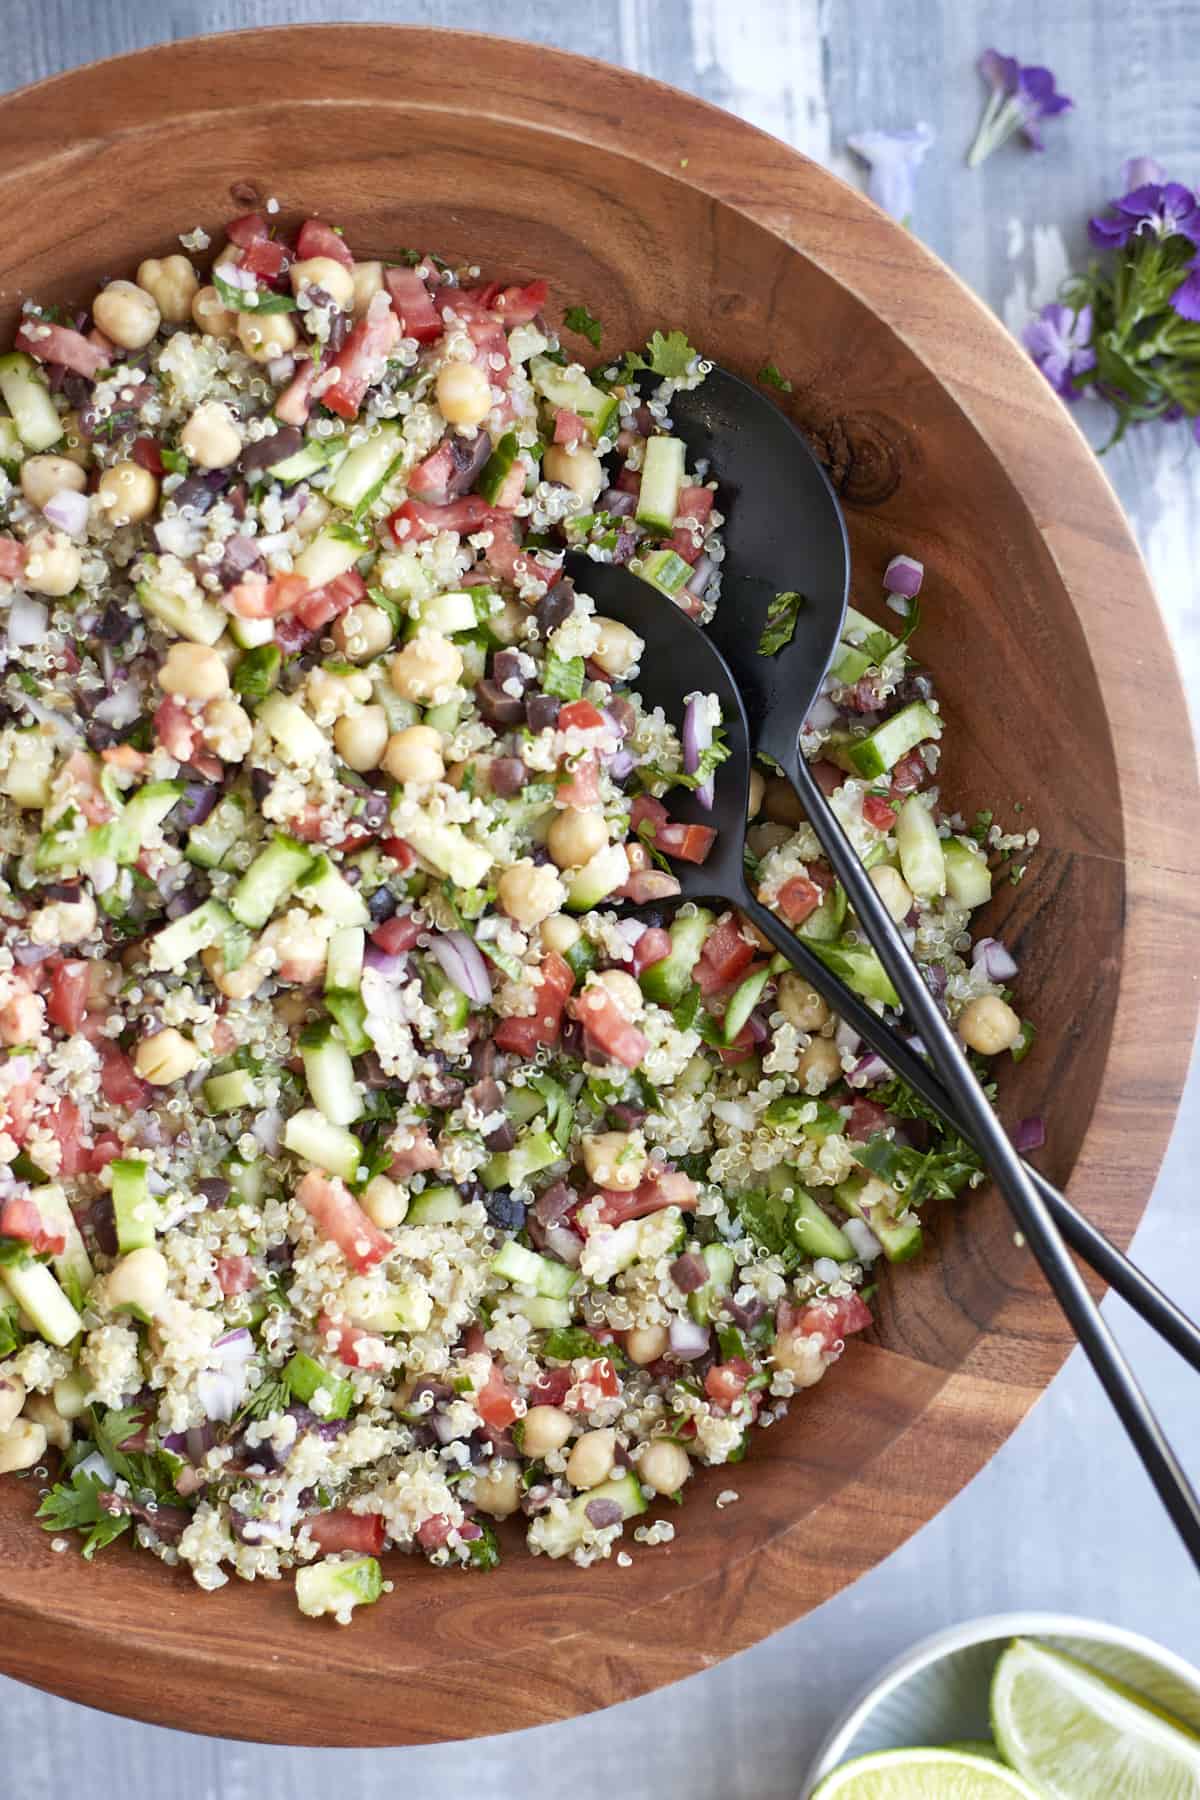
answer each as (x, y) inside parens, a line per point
(372, 1172)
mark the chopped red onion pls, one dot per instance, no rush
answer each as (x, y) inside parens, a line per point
(904, 575)
(620, 764)
(846, 1038)
(697, 581)
(69, 511)
(697, 737)
(28, 620)
(866, 1245)
(233, 275)
(688, 1340)
(821, 714)
(1029, 1134)
(266, 1129)
(280, 369)
(867, 1071)
(564, 1243)
(390, 967)
(617, 502)
(998, 965)
(178, 536)
(631, 930)
(553, 1203)
(462, 964)
(760, 1031)
(121, 707)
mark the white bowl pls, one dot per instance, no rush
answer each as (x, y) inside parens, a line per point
(938, 1692)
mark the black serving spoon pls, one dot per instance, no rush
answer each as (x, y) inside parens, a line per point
(679, 659)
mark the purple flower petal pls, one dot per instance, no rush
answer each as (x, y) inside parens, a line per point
(1000, 72)
(1142, 202)
(1059, 342)
(1186, 298)
(1196, 429)
(894, 158)
(1142, 171)
(1110, 234)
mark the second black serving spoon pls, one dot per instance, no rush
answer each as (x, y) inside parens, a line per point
(784, 516)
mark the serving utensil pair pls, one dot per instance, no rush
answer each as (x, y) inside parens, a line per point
(785, 530)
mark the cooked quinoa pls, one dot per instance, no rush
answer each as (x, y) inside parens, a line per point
(371, 1173)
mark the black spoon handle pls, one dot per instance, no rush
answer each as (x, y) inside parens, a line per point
(985, 1130)
(1123, 1276)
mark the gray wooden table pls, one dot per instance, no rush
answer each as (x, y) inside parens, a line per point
(1063, 1518)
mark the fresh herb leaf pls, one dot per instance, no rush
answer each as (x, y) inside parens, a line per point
(10, 1332)
(711, 759)
(671, 356)
(648, 1094)
(386, 605)
(568, 1343)
(579, 319)
(563, 677)
(14, 1253)
(174, 461)
(770, 377)
(560, 1113)
(645, 833)
(252, 300)
(75, 1506)
(686, 1011)
(1025, 1042)
(770, 1220)
(920, 1175)
(271, 1396)
(483, 1552)
(780, 627)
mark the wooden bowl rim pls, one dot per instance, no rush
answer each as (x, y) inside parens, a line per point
(839, 231)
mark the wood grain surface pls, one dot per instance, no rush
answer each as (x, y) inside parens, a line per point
(945, 442)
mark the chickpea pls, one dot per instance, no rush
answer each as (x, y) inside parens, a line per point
(782, 803)
(763, 837)
(799, 1352)
(498, 1487)
(12, 1397)
(615, 1159)
(263, 339)
(42, 1410)
(127, 493)
(892, 889)
(361, 737)
(623, 991)
(315, 512)
(227, 729)
(579, 469)
(298, 948)
(415, 754)
(363, 632)
(989, 1025)
(193, 672)
(22, 1446)
(139, 1279)
(456, 774)
(64, 921)
(545, 1428)
(560, 933)
(758, 788)
(664, 1466)
(529, 892)
(166, 1057)
(53, 564)
(211, 316)
(619, 649)
(368, 281)
(464, 393)
(575, 836)
(172, 285)
(646, 1343)
(71, 1393)
(591, 1459)
(44, 476)
(239, 983)
(818, 1065)
(333, 278)
(384, 1202)
(509, 623)
(426, 665)
(210, 438)
(800, 1003)
(127, 314)
(22, 1019)
(74, 446)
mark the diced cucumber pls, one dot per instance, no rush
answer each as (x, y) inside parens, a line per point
(72, 1263)
(333, 552)
(130, 832)
(532, 1151)
(900, 1238)
(557, 1535)
(882, 748)
(251, 634)
(299, 739)
(305, 1378)
(209, 843)
(27, 397)
(444, 718)
(526, 1268)
(861, 970)
(436, 1206)
(329, 1073)
(187, 614)
(849, 665)
(498, 467)
(350, 1016)
(27, 778)
(338, 1587)
(401, 1307)
(257, 672)
(581, 959)
(695, 1075)
(825, 924)
(450, 852)
(344, 960)
(448, 613)
(743, 1001)
(922, 859)
(38, 1295)
(135, 1210)
(273, 874)
(210, 923)
(523, 1103)
(367, 467)
(12, 450)
(314, 454)
(448, 1001)
(542, 1312)
(662, 478)
(323, 886)
(314, 1138)
(785, 1112)
(570, 389)
(398, 712)
(704, 1301)
(600, 876)
(968, 878)
(230, 1092)
(666, 571)
(668, 981)
(248, 1180)
(816, 1234)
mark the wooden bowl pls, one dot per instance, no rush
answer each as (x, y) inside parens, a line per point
(1058, 683)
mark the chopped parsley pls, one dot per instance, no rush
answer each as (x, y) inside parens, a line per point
(386, 605)
(483, 1552)
(174, 461)
(253, 300)
(770, 377)
(570, 1342)
(780, 627)
(563, 677)
(74, 1505)
(771, 1220)
(671, 356)
(580, 320)
(686, 1011)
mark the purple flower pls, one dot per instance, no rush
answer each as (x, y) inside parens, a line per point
(1141, 171)
(1020, 99)
(894, 158)
(1059, 341)
(1186, 298)
(1166, 209)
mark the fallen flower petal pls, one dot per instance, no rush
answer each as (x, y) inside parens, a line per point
(894, 158)
(1141, 171)
(1021, 98)
(1059, 341)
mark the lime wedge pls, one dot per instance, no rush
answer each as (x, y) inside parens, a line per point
(1072, 1732)
(923, 1775)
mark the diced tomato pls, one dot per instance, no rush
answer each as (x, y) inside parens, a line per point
(725, 1383)
(68, 994)
(569, 428)
(224, 1039)
(608, 1027)
(417, 519)
(360, 361)
(106, 1149)
(495, 1402)
(552, 1387)
(67, 1126)
(654, 946)
(12, 558)
(878, 812)
(266, 258)
(342, 1529)
(120, 1082)
(256, 598)
(59, 344)
(357, 1348)
(647, 885)
(421, 1154)
(798, 898)
(247, 229)
(671, 1188)
(413, 305)
(690, 843)
(695, 503)
(20, 1218)
(524, 1035)
(318, 239)
(147, 453)
(866, 1118)
(431, 478)
(739, 1050)
(827, 776)
(295, 403)
(507, 559)
(629, 481)
(321, 604)
(484, 329)
(341, 1220)
(520, 305)
(398, 934)
(833, 1320)
(602, 1374)
(910, 773)
(235, 1275)
(580, 715)
(724, 956)
(580, 784)
(432, 1533)
(174, 727)
(85, 788)
(647, 810)
(124, 756)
